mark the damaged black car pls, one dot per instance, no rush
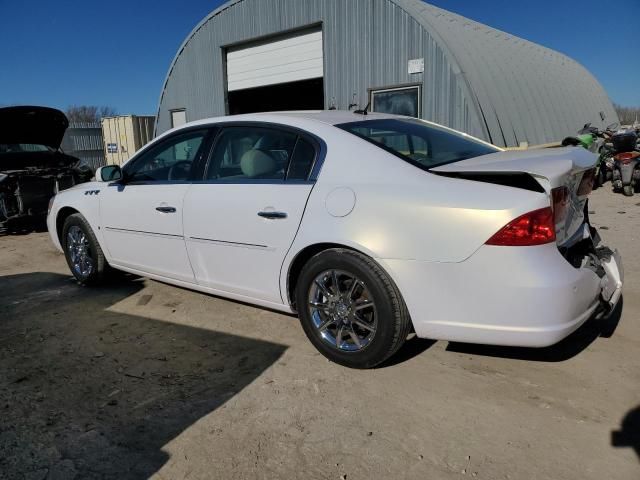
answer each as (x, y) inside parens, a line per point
(33, 168)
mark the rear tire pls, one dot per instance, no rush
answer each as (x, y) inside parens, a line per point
(82, 251)
(627, 190)
(350, 309)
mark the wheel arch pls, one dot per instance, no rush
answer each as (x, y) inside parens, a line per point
(299, 260)
(61, 217)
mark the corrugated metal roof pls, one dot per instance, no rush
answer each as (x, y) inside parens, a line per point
(367, 44)
(525, 91)
(477, 79)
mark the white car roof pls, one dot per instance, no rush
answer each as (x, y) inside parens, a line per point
(298, 118)
(329, 117)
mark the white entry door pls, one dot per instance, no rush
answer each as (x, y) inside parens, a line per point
(240, 222)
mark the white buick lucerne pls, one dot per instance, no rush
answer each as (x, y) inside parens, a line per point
(368, 226)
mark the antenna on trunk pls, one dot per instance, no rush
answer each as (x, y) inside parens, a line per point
(364, 111)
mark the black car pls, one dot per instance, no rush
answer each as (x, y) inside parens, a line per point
(32, 166)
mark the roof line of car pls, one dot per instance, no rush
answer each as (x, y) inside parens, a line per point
(312, 116)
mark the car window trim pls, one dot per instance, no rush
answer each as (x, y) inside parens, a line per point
(316, 154)
(318, 144)
(293, 153)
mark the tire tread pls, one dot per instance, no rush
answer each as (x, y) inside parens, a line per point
(400, 317)
(400, 311)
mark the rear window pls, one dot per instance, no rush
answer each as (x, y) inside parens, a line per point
(424, 145)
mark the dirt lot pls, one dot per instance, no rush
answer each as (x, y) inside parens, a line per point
(139, 378)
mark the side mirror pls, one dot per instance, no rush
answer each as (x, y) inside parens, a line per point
(109, 173)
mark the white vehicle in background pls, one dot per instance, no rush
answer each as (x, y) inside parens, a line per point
(367, 226)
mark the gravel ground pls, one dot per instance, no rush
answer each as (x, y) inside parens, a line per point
(139, 379)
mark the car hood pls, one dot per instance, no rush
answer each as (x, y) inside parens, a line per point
(29, 124)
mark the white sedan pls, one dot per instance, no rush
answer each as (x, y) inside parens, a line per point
(368, 226)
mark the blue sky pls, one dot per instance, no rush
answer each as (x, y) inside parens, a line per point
(117, 53)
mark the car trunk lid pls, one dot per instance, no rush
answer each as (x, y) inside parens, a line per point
(565, 174)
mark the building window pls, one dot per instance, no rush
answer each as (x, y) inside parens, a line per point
(401, 100)
(178, 117)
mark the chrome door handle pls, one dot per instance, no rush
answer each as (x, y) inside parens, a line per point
(166, 209)
(272, 215)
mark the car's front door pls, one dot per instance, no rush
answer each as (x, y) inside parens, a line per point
(141, 216)
(240, 221)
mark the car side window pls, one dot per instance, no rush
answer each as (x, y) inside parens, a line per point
(170, 160)
(251, 153)
(302, 161)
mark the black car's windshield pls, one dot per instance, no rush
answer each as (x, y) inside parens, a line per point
(422, 144)
(23, 147)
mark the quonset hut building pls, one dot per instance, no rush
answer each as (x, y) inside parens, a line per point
(401, 56)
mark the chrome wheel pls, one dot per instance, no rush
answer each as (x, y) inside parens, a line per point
(79, 251)
(342, 310)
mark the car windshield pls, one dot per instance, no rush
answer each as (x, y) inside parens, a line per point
(422, 144)
(23, 147)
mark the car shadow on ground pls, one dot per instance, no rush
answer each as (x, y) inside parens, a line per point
(413, 347)
(89, 391)
(628, 436)
(568, 348)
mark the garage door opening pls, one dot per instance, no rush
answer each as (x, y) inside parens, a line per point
(302, 95)
(281, 73)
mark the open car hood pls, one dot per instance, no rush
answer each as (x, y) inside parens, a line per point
(27, 124)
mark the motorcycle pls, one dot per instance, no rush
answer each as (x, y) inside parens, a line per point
(626, 171)
(598, 142)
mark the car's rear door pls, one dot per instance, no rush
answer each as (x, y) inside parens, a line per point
(141, 216)
(241, 219)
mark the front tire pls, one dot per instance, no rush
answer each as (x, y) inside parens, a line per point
(627, 190)
(350, 309)
(82, 251)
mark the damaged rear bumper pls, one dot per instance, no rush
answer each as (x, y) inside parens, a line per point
(512, 296)
(585, 250)
(613, 278)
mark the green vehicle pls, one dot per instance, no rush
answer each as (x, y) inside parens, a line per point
(598, 142)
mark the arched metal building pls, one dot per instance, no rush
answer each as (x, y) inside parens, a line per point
(403, 56)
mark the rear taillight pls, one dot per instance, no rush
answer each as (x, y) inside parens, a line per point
(560, 198)
(626, 157)
(586, 184)
(533, 228)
